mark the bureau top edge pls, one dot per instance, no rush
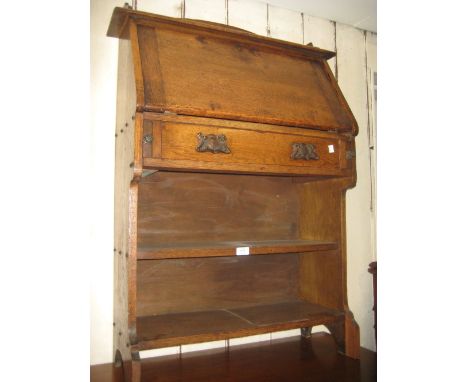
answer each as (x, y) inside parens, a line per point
(121, 16)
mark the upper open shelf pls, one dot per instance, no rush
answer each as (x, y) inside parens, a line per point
(232, 248)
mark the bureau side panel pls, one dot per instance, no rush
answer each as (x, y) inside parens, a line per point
(124, 289)
(323, 277)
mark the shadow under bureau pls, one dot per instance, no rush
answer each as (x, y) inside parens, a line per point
(233, 156)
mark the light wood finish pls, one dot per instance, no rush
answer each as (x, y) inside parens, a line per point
(183, 205)
(247, 146)
(124, 291)
(252, 150)
(228, 74)
(228, 248)
(192, 327)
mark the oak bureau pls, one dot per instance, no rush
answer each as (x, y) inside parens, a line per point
(233, 156)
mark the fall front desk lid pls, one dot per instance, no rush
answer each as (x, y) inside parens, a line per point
(199, 68)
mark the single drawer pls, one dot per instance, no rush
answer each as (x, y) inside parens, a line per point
(223, 148)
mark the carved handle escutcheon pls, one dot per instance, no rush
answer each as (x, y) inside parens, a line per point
(212, 143)
(304, 151)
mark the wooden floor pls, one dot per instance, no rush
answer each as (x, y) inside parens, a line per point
(288, 359)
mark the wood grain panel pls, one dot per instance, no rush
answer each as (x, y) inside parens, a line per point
(229, 77)
(234, 81)
(320, 217)
(188, 324)
(321, 279)
(179, 142)
(183, 285)
(151, 66)
(294, 311)
(186, 207)
(191, 327)
(321, 274)
(124, 293)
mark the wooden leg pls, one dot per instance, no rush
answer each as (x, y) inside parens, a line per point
(132, 368)
(337, 330)
(306, 332)
(352, 339)
(346, 335)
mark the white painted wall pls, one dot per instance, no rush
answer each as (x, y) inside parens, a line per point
(355, 62)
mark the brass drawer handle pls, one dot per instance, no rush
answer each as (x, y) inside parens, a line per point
(304, 151)
(212, 143)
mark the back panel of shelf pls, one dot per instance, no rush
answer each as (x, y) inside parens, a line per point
(191, 207)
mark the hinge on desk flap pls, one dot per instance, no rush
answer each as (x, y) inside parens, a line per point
(146, 173)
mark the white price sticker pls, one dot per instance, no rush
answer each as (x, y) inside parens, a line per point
(331, 148)
(242, 251)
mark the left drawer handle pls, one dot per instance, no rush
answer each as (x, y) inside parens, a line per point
(212, 143)
(305, 151)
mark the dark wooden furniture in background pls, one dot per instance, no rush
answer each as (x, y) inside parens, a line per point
(233, 156)
(373, 270)
(288, 359)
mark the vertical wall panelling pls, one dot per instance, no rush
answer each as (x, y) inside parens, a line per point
(209, 10)
(285, 24)
(103, 73)
(248, 15)
(172, 8)
(321, 33)
(371, 68)
(352, 76)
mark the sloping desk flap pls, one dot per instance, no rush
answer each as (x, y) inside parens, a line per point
(206, 69)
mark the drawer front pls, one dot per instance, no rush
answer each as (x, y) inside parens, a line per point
(224, 148)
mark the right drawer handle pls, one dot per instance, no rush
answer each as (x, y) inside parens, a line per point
(304, 151)
(212, 143)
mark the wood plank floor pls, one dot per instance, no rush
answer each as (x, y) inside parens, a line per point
(288, 359)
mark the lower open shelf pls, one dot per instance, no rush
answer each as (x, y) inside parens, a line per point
(192, 327)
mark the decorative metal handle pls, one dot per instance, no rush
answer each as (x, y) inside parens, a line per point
(212, 143)
(304, 151)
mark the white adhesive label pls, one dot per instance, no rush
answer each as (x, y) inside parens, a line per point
(242, 251)
(331, 148)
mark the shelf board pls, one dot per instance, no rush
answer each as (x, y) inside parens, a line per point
(228, 248)
(192, 327)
